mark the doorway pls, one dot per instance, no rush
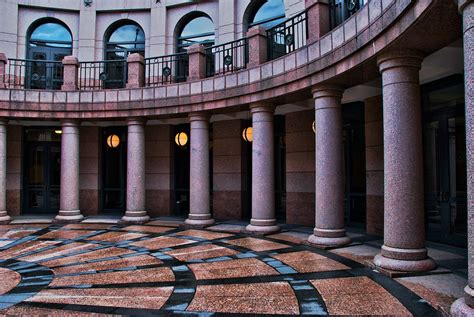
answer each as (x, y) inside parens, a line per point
(181, 147)
(49, 41)
(42, 166)
(114, 169)
(444, 145)
(45, 69)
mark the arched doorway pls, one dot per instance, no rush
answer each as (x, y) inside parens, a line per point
(121, 39)
(267, 13)
(48, 41)
(196, 28)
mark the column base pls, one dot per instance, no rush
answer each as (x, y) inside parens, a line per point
(402, 265)
(134, 217)
(461, 308)
(262, 226)
(199, 220)
(4, 218)
(68, 216)
(330, 242)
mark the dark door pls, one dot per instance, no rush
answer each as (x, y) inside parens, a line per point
(445, 176)
(353, 138)
(181, 171)
(114, 169)
(42, 163)
(280, 167)
(44, 70)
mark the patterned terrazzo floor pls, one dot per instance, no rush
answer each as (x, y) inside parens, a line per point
(159, 268)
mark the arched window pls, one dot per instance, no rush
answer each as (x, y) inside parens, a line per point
(197, 29)
(267, 13)
(123, 39)
(48, 40)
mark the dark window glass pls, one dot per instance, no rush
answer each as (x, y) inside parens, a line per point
(125, 40)
(199, 30)
(51, 35)
(270, 13)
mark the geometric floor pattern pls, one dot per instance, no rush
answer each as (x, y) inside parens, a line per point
(96, 269)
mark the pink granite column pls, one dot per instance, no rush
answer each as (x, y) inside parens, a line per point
(404, 223)
(257, 37)
(329, 228)
(318, 19)
(69, 184)
(70, 78)
(135, 211)
(199, 188)
(465, 306)
(136, 71)
(3, 65)
(4, 217)
(263, 170)
(197, 62)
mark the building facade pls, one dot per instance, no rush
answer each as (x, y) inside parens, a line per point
(318, 113)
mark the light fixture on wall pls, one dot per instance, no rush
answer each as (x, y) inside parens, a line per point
(181, 139)
(58, 131)
(314, 126)
(113, 141)
(247, 134)
(87, 3)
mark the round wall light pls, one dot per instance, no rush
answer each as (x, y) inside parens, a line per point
(113, 141)
(247, 134)
(314, 126)
(181, 139)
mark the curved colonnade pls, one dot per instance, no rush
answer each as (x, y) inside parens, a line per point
(381, 38)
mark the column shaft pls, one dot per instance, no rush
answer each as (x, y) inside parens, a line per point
(199, 187)
(263, 170)
(329, 219)
(404, 229)
(465, 306)
(136, 207)
(69, 210)
(4, 217)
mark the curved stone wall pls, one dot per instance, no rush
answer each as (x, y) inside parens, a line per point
(345, 56)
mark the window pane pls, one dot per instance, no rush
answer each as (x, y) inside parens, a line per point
(128, 33)
(197, 26)
(51, 32)
(269, 10)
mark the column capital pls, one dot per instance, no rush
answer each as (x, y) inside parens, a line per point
(199, 116)
(69, 123)
(327, 90)
(462, 4)
(3, 58)
(136, 121)
(262, 107)
(400, 58)
(3, 121)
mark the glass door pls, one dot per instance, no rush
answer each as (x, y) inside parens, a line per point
(445, 177)
(44, 70)
(114, 169)
(42, 173)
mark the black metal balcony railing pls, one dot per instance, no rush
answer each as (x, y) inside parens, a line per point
(226, 58)
(341, 10)
(102, 75)
(287, 36)
(166, 69)
(34, 74)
